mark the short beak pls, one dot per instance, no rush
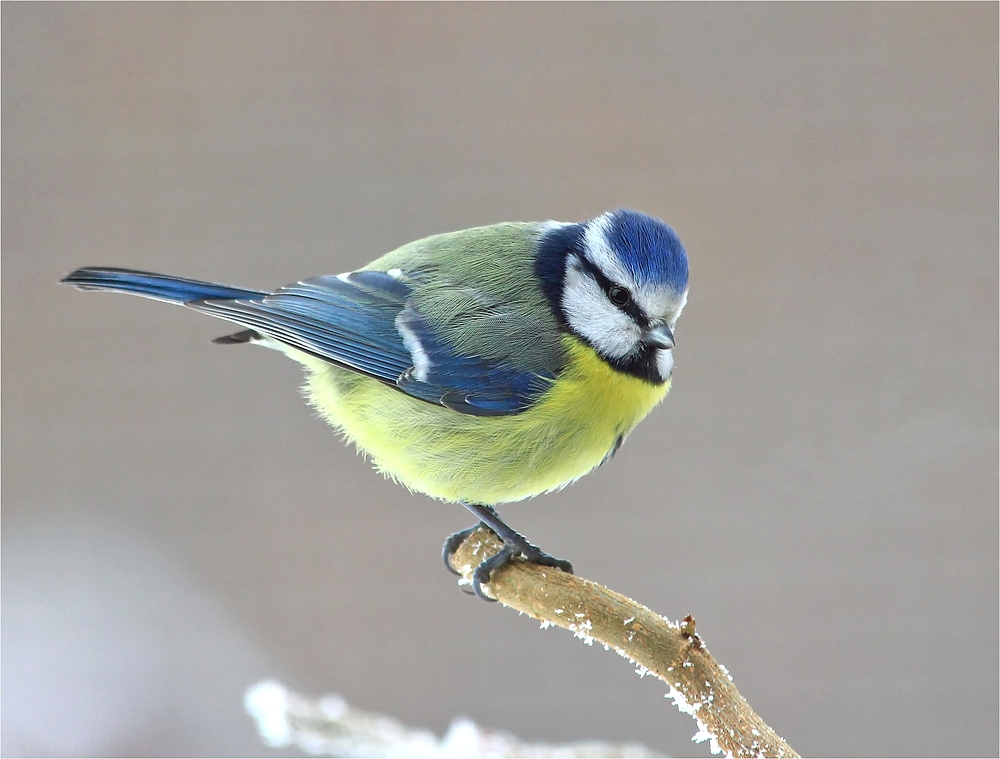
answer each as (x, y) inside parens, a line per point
(659, 337)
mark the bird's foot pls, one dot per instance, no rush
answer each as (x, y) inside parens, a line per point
(514, 545)
(536, 555)
(501, 558)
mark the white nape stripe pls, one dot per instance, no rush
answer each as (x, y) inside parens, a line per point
(421, 361)
(345, 277)
(592, 316)
(548, 226)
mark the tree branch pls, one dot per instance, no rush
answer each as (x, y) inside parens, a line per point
(699, 685)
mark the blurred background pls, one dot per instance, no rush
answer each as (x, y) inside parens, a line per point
(819, 490)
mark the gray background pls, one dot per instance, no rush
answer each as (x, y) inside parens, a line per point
(819, 490)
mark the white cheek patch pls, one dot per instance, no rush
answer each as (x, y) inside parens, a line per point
(664, 363)
(594, 317)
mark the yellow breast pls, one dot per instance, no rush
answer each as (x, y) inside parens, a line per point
(488, 460)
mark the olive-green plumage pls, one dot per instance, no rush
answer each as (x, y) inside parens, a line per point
(478, 287)
(483, 366)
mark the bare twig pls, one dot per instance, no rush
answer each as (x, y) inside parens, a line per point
(331, 727)
(699, 685)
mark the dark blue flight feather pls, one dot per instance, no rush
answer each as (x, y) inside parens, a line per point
(157, 286)
(356, 321)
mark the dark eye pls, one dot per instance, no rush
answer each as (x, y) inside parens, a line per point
(619, 295)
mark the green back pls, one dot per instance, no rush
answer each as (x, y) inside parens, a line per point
(479, 289)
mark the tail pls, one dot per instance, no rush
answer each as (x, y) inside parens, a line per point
(156, 286)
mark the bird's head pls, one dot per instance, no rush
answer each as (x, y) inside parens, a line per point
(618, 282)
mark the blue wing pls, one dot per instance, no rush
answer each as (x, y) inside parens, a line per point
(363, 321)
(468, 384)
(346, 320)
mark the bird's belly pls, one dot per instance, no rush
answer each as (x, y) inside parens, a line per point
(457, 457)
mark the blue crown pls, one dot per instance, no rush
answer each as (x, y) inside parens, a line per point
(650, 250)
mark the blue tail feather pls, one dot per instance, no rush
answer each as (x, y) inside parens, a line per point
(158, 286)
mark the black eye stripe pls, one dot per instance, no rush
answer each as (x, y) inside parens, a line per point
(630, 307)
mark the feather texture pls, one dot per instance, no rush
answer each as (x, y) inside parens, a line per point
(454, 324)
(470, 322)
(567, 432)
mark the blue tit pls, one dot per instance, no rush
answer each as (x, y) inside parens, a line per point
(478, 367)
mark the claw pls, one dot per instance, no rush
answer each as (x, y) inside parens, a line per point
(536, 555)
(451, 545)
(514, 544)
(483, 572)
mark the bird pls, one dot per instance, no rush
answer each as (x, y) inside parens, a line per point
(479, 367)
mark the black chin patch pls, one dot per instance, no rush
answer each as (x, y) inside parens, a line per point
(640, 363)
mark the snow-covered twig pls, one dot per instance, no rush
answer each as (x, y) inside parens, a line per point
(331, 727)
(698, 684)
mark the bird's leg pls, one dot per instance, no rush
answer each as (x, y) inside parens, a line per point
(514, 544)
(516, 540)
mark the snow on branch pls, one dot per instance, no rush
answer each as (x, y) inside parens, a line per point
(331, 727)
(698, 684)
